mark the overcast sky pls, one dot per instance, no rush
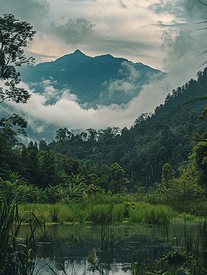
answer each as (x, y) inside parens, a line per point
(155, 32)
(163, 34)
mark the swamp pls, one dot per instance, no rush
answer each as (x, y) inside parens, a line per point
(124, 249)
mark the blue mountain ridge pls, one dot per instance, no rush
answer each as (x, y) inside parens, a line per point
(94, 80)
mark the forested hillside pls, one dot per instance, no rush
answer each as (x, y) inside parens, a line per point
(138, 153)
(153, 139)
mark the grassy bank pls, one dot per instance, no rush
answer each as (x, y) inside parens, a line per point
(132, 212)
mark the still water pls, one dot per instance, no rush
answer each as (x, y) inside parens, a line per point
(78, 250)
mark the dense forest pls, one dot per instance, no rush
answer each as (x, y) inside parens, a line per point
(138, 153)
(111, 159)
(153, 140)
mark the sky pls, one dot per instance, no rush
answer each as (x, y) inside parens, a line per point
(162, 34)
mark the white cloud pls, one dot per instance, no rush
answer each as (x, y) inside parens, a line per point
(122, 28)
(67, 112)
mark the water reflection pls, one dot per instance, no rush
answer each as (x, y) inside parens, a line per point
(97, 250)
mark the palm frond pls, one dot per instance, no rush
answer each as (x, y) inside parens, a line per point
(202, 2)
(193, 100)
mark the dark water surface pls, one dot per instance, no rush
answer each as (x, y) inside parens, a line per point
(77, 250)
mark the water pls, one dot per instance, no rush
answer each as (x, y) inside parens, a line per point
(81, 250)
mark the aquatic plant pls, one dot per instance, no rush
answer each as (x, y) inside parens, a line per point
(15, 258)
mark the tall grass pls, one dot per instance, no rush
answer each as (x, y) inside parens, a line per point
(140, 212)
(151, 214)
(15, 257)
(118, 212)
(101, 214)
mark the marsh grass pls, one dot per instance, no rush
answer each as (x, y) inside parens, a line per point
(118, 212)
(140, 212)
(101, 214)
(151, 214)
(16, 255)
(186, 246)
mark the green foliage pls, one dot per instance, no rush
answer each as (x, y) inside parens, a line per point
(199, 158)
(152, 214)
(101, 214)
(118, 212)
(152, 141)
(75, 189)
(63, 134)
(202, 116)
(15, 257)
(183, 193)
(167, 177)
(118, 179)
(14, 37)
(93, 189)
(12, 190)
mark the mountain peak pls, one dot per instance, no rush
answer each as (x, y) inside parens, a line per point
(78, 52)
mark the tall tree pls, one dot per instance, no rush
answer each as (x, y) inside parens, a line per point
(118, 175)
(167, 176)
(14, 37)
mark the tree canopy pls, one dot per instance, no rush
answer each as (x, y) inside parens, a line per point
(14, 37)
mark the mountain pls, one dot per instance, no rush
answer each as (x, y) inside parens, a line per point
(94, 80)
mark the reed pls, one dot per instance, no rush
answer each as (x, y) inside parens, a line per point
(151, 214)
(140, 212)
(101, 214)
(15, 257)
(118, 212)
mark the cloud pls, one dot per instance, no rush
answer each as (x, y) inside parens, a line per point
(190, 10)
(195, 9)
(122, 4)
(32, 11)
(44, 120)
(123, 88)
(81, 0)
(181, 51)
(167, 7)
(179, 45)
(73, 31)
(120, 47)
(171, 24)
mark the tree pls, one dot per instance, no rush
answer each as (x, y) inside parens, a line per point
(43, 145)
(199, 158)
(118, 176)
(46, 169)
(63, 134)
(14, 36)
(185, 192)
(167, 176)
(6, 155)
(92, 134)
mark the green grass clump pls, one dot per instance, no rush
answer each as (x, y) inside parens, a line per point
(16, 256)
(151, 214)
(118, 212)
(101, 214)
(84, 211)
